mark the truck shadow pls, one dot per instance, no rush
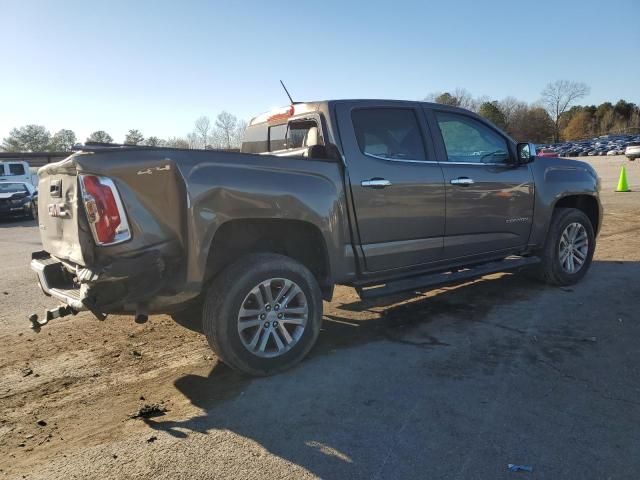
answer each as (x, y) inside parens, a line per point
(229, 402)
(336, 414)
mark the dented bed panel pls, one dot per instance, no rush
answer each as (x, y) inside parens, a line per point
(175, 202)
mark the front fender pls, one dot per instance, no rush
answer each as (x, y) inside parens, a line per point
(555, 179)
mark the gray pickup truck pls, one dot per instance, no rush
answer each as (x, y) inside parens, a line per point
(385, 196)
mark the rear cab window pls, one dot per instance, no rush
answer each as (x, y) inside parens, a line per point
(288, 138)
(388, 133)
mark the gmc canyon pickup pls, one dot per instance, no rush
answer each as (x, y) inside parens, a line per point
(385, 196)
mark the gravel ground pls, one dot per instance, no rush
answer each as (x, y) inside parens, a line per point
(451, 383)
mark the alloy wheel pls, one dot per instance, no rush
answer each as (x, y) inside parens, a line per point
(573, 248)
(273, 317)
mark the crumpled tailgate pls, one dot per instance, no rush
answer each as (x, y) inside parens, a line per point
(58, 214)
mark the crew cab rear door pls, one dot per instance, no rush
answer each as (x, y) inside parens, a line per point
(397, 186)
(489, 197)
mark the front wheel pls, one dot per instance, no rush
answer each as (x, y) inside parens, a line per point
(262, 314)
(568, 251)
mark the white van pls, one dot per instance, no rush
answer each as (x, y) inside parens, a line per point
(15, 171)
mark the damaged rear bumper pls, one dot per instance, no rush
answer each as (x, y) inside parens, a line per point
(54, 281)
(123, 285)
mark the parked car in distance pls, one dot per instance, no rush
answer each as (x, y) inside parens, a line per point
(632, 151)
(18, 199)
(15, 171)
(547, 152)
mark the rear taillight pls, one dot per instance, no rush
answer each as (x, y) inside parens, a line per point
(106, 216)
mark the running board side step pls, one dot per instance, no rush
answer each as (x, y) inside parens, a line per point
(437, 279)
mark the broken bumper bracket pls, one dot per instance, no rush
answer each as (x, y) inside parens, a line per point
(52, 313)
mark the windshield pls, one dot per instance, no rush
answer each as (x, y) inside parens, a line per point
(12, 187)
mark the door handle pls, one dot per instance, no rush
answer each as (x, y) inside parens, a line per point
(375, 183)
(464, 181)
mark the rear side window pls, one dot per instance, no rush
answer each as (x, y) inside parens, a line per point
(392, 133)
(470, 141)
(16, 169)
(255, 139)
(277, 136)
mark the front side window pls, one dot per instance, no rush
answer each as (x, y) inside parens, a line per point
(16, 169)
(392, 133)
(470, 141)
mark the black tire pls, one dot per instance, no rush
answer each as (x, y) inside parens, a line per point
(550, 270)
(223, 301)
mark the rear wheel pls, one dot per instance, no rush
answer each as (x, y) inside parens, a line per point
(568, 252)
(262, 314)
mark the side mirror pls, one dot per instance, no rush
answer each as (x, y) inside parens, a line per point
(526, 152)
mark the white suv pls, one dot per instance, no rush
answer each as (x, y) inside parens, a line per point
(632, 151)
(15, 172)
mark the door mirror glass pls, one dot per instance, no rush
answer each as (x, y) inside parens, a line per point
(526, 152)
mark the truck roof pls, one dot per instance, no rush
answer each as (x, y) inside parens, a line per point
(314, 106)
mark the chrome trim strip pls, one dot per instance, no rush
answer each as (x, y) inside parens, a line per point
(399, 159)
(476, 163)
(445, 162)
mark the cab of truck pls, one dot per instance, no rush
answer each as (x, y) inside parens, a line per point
(15, 171)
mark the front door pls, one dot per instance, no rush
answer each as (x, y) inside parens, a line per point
(489, 197)
(396, 184)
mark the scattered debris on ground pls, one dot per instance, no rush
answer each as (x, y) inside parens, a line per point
(149, 411)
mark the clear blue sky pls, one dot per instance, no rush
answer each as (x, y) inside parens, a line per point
(158, 65)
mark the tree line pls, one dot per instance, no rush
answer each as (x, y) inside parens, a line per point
(553, 118)
(225, 132)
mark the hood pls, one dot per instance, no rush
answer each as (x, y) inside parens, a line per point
(5, 195)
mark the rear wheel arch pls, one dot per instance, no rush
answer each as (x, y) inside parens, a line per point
(299, 240)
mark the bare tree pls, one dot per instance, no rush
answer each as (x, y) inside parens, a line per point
(226, 126)
(177, 142)
(508, 106)
(202, 130)
(239, 133)
(558, 97)
(459, 98)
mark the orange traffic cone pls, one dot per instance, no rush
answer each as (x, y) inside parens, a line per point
(623, 186)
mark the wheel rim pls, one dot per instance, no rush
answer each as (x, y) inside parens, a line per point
(273, 317)
(573, 248)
